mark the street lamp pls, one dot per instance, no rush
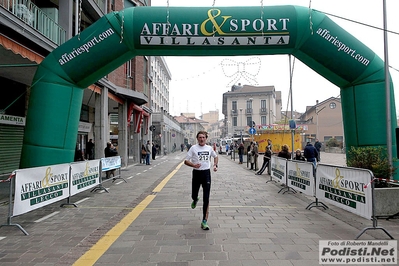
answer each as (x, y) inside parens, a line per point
(317, 118)
(241, 126)
(252, 121)
(233, 123)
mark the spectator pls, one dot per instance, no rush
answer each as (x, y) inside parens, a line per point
(241, 153)
(266, 161)
(110, 151)
(154, 151)
(310, 154)
(298, 156)
(143, 153)
(256, 155)
(317, 145)
(148, 150)
(252, 157)
(284, 153)
(90, 150)
(78, 154)
(270, 145)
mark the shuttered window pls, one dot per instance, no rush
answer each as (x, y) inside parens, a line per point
(11, 138)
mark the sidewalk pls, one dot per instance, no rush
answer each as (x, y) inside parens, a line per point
(251, 223)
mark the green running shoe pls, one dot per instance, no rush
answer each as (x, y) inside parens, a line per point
(194, 203)
(204, 225)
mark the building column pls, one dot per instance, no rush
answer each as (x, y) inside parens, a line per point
(122, 133)
(101, 123)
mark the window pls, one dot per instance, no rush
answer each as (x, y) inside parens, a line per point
(234, 121)
(129, 69)
(263, 104)
(263, 120)
(249, 121)
(234, 106)
(249, 105)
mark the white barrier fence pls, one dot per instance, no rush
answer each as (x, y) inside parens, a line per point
(40, 186)
(344, 187)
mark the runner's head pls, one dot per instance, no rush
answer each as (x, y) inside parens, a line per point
(201, 137)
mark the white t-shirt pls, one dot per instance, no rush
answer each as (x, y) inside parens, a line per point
(201, 154)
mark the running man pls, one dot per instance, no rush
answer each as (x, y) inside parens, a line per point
(199, 158)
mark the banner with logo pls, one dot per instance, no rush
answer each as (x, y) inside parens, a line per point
(344, 188)
(110, 163)
(84, 175)
(40, 186)
(279, 171)
(300, 177)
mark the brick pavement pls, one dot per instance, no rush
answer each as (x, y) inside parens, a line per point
(251, 223)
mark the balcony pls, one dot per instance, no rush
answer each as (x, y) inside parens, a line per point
(263, 111)
(44, 21)
(248, 111)
(101, 5)
(233, 112)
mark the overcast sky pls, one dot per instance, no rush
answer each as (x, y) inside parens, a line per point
(198, 83)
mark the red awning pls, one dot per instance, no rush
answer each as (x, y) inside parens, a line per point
(19, 49)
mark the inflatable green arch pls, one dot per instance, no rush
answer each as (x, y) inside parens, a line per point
(58, 85)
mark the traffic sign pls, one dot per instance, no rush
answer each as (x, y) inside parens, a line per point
(252, 131)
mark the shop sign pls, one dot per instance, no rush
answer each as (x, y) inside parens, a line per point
(12, 120)
(84, 127)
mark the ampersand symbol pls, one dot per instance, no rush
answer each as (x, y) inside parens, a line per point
(216, 26)
(45, 180)
(86, 172)
(337, 178)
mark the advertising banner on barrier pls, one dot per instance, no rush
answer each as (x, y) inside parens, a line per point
(40, 186)
(344, 187)
(84, 175)
(300, 177)
(110, 163)
(279, 169)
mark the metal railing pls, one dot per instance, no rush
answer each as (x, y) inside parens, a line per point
(33, 16)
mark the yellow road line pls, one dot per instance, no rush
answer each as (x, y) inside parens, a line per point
(188, 207)
(98, 249)
(166, 180)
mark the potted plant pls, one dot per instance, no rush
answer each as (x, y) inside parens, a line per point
(375, 159)
(385, 193)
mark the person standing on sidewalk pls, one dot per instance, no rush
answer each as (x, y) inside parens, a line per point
(154, 151)
(199, 158)
(256, 155)
(285, 152)
(317, 145)
(310, 153)
(148, 150)
(241, 153)
(110, 151)
(270, 146)
(90, 150)
(266, 161)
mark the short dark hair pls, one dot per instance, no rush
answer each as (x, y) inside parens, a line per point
(202, 132)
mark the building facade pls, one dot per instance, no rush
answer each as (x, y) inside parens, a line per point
(115, 108)
(247, 106)
(324, 121)
(212, 127)
(160, 77)
(190, 126)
